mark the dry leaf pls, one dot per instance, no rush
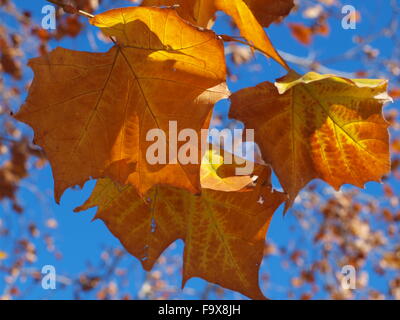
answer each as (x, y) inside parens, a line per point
(395, 93)
(91, 111)
(269, 11)
(224, 232)
(318, 126)
(391, 260)
(301, 33)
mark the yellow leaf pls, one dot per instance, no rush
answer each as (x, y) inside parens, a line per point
(249, 27)
(199, 12)
(318, 126)
(3, 255)
(224, 232)
(91, 111)
(212, 166)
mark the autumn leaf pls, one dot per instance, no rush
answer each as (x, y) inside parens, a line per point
(216, 174)
(91, 111)
(391, 260)
(318, 126)
(301, 33)
(14, 170)
(269, 11)
(249, 27)
(395, 93)
(305, 34)
(224, 232)
(3, 255)
(202, 13)
(10, 65)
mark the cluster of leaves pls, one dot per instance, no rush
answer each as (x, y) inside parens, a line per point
(160, 283)
(167, 66)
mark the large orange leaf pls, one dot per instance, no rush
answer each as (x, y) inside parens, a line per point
(318, 126)
(91, 111)
(224, 232)
(202, 12)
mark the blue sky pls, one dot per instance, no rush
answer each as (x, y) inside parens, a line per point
(81, 240)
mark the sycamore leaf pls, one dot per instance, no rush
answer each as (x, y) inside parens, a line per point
(91, 111)
(224, 232)
(202, 13)
(318, 126)
(249, 27)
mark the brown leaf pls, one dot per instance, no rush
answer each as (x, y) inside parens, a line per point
(301, 32)
(270, 11)
(223, 232)
(91, 112)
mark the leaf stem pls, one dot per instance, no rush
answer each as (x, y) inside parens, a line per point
(70, 9)
(227, 38)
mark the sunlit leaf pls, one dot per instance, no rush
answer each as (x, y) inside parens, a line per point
(318, 126)
(91, 111)
(224, 232)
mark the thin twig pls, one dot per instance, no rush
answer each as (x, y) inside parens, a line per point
(2, 138)
(311, 64)
(307, 63)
